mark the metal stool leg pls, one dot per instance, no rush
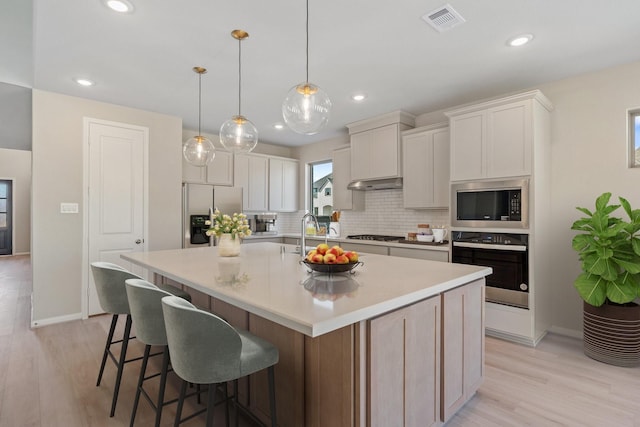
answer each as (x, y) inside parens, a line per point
(272, 395)
(123, 354)
(183, 391)
(235, 400)
(107, 346)
(226, 403)
(211, 401)
(143, 370)
(163, 383)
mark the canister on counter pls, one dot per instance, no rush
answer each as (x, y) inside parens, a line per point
(412, 237)
(424, 229)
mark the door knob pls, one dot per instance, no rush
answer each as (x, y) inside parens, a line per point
(138, 241)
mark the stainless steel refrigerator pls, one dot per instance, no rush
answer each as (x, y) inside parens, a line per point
(198, 201)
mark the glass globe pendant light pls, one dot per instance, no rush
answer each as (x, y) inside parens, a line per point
(238, 134)
(307, 108)
(199, 150)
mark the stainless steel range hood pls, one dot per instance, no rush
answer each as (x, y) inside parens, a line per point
(375, 184)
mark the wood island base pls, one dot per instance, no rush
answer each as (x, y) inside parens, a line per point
(413, 366)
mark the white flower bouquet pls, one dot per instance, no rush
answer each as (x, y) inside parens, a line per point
(236, 225)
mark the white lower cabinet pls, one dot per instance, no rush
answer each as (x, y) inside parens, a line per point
(462, 345)
(442, 256)
(404, 366)
(360, 248)
(262, 240)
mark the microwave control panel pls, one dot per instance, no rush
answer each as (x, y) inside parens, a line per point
(515, 205)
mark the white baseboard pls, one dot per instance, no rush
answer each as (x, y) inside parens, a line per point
(16, 254)
(54, 320)
(566, 332)
(512, 337)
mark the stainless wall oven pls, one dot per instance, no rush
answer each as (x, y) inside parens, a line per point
(506, 254)
(485, 204)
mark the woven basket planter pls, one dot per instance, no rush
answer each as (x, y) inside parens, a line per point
(612, 333)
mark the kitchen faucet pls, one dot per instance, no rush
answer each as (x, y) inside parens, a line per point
(303, 240)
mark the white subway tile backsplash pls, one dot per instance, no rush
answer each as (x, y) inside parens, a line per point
(383, 214)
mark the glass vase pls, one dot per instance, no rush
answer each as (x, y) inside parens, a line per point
(228, 246)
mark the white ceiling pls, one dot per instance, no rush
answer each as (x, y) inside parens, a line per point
(381, 47)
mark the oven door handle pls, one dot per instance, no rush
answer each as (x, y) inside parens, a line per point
(514, 248)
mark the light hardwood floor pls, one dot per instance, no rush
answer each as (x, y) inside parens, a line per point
(48, 374)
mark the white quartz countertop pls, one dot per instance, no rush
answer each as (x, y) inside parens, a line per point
(273, 284)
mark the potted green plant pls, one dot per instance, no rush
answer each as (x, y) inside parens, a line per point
(609, 252)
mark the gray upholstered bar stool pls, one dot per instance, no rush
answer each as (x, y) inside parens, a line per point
(110, 286)
(207, 350)
(146, 311)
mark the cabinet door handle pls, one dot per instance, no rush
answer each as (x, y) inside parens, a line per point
(138, 241)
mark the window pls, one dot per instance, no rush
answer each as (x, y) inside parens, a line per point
(4, 195)
(634, 138)
(321, 184)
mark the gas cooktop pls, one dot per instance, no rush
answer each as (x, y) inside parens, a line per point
(376, 237)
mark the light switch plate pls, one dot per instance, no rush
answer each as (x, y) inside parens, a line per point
(68, 208)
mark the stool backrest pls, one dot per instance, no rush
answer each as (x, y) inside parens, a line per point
(109, 279)
(204, 348)
(146, 311)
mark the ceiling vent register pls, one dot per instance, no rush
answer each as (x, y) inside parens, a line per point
(444, 18)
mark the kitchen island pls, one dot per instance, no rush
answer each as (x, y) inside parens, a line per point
(399, 342)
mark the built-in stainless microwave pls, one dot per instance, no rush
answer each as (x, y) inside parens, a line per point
(490, 204)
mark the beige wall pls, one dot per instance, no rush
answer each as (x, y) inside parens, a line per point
(16, 165)
(588, 157)
(58, 177)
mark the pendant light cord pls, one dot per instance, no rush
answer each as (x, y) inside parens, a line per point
(307, 41)
(199, 101)
(239, 76)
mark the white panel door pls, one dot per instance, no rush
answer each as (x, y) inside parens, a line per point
(116, 196)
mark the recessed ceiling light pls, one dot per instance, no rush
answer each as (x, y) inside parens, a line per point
(278, 126)
(84, 82)
(122, 6)
(520, 40)
(359, 97)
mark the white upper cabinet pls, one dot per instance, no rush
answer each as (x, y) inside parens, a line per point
(283, 185)
(425, 158)
(218, 172)
(495, 139)
(468, 137)
(376, 153)
(376, 148)
(343, 198)
(251, 172)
